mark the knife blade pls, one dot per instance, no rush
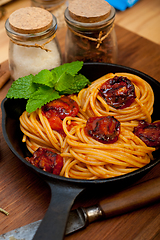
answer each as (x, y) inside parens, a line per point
(128, 200)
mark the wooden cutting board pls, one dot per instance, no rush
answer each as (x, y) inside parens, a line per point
(26, 197)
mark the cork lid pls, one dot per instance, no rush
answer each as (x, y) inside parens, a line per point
(30, 20)
(89, 10)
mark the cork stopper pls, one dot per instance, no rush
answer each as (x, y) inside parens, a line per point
(89, 11)
(30, 20)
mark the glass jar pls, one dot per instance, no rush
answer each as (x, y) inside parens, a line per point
(91, 41)
(32, 49)
(56, 7)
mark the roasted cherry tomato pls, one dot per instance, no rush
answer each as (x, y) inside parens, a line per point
(104, 129)
(55, 123)
(58, 109)
(118, 92)
(149, 133)
(47, 160)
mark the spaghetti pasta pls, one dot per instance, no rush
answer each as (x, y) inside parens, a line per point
(141, 109)
(83, 156)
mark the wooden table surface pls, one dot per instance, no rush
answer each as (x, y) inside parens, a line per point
(143, 19)
(26, 197)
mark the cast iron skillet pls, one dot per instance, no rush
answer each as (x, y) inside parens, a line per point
(64, 190)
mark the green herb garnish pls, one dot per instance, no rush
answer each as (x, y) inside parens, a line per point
(48, 85)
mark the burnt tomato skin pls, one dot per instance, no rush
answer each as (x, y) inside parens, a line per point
(47, 160)
(149, 133)
(118, 92)
(58, 109)
(104, 129)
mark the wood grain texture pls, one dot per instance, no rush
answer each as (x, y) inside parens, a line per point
(26, 197)
(143, 19)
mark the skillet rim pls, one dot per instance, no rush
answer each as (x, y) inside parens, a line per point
(85, 182)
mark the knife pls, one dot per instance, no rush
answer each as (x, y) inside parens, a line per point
(128, 200)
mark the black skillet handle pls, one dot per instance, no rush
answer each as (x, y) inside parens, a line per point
(54, 222)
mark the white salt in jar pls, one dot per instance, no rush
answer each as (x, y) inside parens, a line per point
(33, 45)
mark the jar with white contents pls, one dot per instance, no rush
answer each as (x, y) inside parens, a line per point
(33, 45)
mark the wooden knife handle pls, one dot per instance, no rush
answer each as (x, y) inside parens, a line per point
(132, 198)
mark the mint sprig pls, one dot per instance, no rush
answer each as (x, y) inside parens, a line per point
(22, 88)
(48, 85)
(42, 96)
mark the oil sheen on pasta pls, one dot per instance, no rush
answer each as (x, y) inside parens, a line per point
(83, 156)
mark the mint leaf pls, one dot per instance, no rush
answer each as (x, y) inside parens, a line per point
(59, 73)
(69, 84)
(64, 82)
(48, 85)
(71, 68)
(80, 82)
(42, 96)
(44, 77)
(22, 88)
